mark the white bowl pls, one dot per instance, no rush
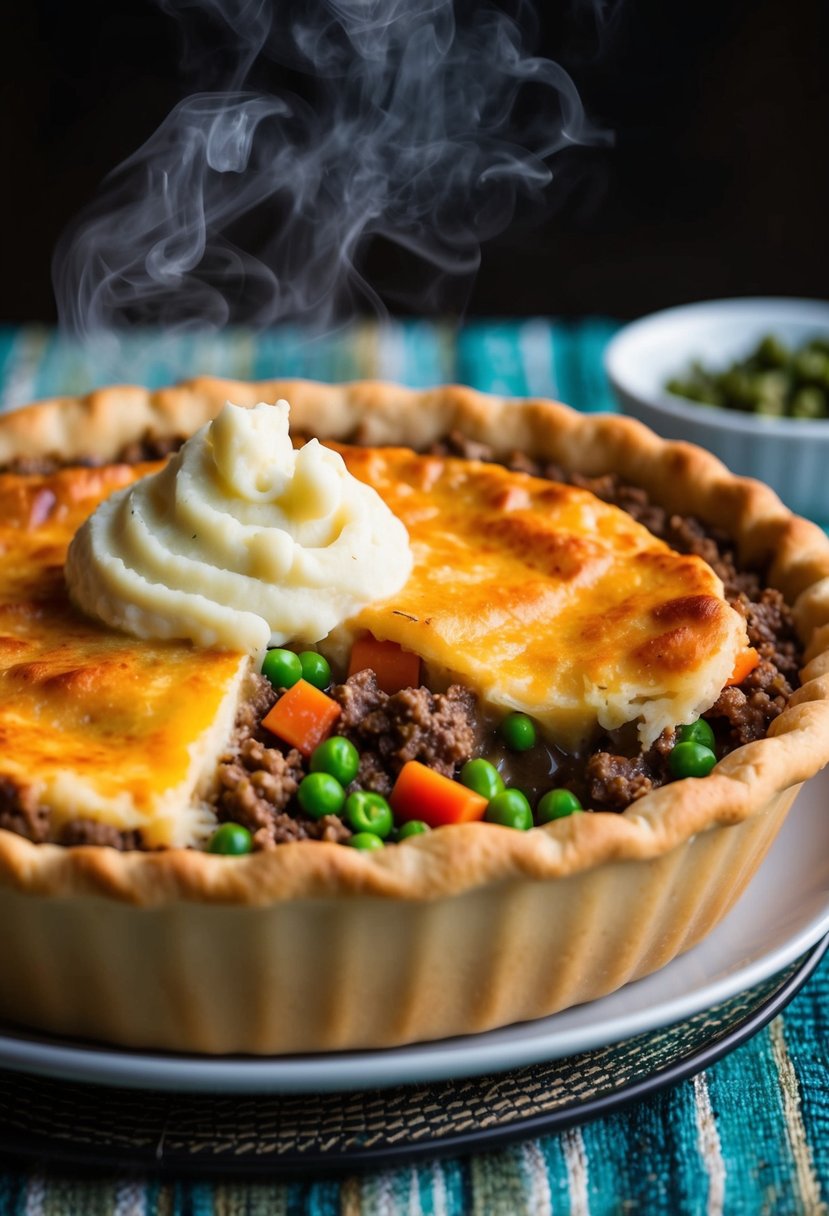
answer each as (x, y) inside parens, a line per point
(789, 454)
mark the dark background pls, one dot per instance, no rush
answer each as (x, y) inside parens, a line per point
(718, 183)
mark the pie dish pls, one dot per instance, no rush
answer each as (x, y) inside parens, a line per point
(315, 947)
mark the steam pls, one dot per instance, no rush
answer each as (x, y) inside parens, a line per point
(424, 127)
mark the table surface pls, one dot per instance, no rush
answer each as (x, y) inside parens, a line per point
(750, 1134)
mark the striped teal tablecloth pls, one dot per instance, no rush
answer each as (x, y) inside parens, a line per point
(749, 1135)
(531, 358)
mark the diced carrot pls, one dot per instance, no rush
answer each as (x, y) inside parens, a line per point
(746, 661)
(303, 716)
(421, 793)
(394, 667)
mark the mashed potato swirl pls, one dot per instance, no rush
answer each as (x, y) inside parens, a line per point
(239, 542)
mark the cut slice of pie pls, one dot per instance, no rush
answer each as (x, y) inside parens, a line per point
(95, 724)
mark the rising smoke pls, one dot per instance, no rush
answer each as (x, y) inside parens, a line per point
(424, 126)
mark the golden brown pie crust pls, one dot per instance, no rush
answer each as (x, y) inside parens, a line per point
(471, 927)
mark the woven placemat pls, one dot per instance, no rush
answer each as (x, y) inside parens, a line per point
(93, 1125)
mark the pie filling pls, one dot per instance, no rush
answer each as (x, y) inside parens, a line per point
(573, 604)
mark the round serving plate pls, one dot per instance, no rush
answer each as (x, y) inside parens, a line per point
(781, 916)
(294, 1134)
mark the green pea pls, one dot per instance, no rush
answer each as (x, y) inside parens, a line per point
(368, 812)
(697, 732)
(367, 841)
(740, 388)
(518, 732)
(511, 809)
(557, 804)
(482, 777)
(691, 760)
(320, 794)
(810, 364)
(771, 394)
(315, 669)
(414, 827)
(772, 352)
(773, 380)
(231, 839)
(809, 402)
(282, 668)
(337, 756)
(702, 391)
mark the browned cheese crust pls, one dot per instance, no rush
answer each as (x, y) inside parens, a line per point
(681, 478)
(542, 598)
(90, 717)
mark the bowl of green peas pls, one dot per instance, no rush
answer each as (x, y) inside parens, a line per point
(748, 379)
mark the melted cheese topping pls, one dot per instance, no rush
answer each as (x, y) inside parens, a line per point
(544, 599)
(97, 724)
(538, 596)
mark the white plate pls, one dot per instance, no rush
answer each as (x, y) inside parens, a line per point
(783, 913)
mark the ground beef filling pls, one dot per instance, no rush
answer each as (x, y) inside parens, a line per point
(151, 447)
(258, 777)
(440, 730)
(20, 812)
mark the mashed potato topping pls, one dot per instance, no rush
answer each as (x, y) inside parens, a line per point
(240, 541)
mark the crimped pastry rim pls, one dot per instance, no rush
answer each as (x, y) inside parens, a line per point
(679, 476)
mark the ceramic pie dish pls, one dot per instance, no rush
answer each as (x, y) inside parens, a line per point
(316, 947)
